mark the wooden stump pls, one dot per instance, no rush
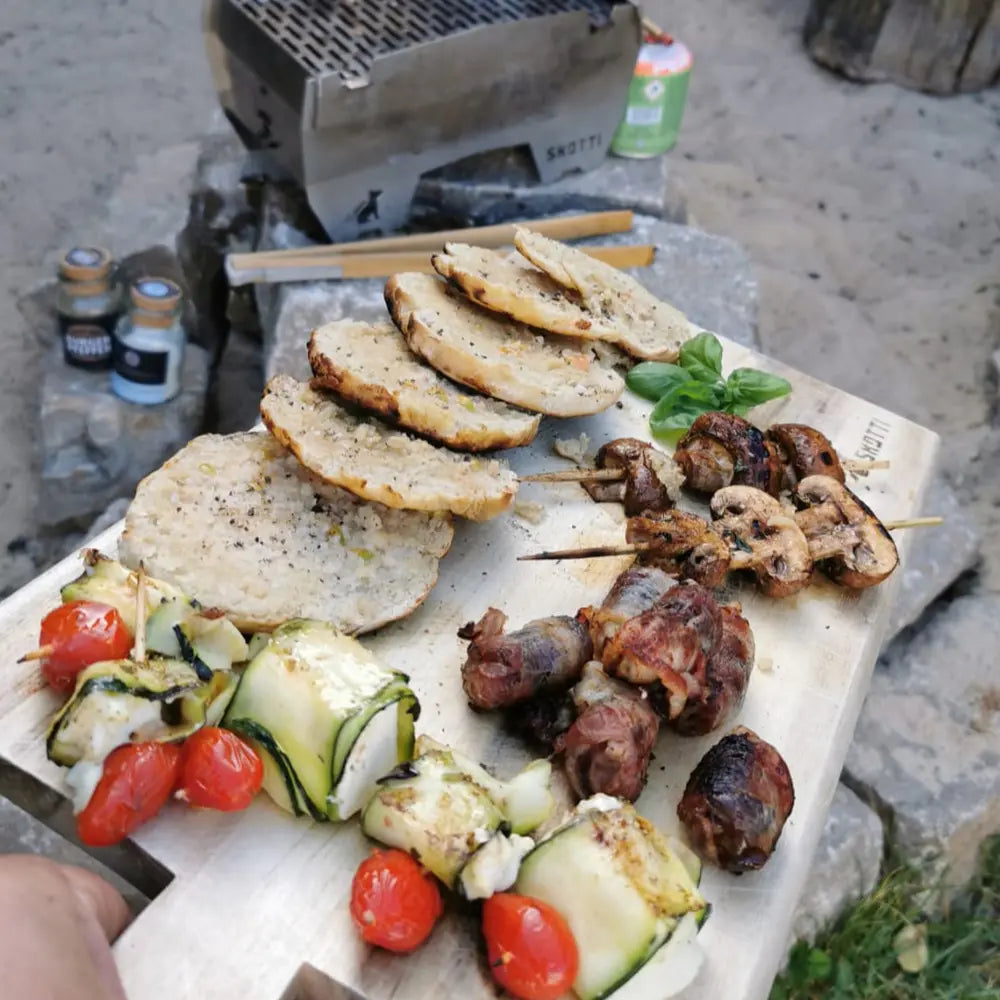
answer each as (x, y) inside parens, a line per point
(941, 46)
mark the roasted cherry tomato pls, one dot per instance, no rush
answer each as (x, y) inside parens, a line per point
(394, 902)
(136, 781)
(530, 947)
(219, 771)
(81, 633)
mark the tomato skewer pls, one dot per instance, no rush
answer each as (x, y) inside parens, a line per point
(75, 635)
(136, 782)
(394, 901)
(219, 771)
(531, 950)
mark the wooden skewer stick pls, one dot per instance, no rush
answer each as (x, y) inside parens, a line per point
(864, 464)
(38, 654)
(652, 28)
(139, 649)
(567, 227)
(612, 475)
(599, 551)
(576, 476)
(596, 552)
(245, 269)
(932, 521)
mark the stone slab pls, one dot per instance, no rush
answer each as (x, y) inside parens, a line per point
(503, 187)
(936, 558)
(96, 447)
(707, 276)
(299, 308)
(845, 867)
(926, 750)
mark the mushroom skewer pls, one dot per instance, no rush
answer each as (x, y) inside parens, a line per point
(838, 531)
(720, 449)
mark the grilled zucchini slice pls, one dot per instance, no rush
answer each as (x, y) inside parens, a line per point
(327, 717)
(109, 582)
(624, 893)
(455, 817)
(121, 701)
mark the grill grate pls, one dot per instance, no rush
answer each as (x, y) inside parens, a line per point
(345, 36)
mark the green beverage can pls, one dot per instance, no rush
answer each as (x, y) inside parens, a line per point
(656, 98)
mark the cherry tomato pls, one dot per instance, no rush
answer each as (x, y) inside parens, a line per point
(219, 771)
(394, 902)
(136, 781)
(81, 633)
(530, 947)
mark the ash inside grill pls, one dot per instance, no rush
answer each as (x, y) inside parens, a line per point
(346, 36)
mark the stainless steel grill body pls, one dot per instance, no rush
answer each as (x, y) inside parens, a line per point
(357, 99)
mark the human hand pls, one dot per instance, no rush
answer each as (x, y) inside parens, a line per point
(57, 923)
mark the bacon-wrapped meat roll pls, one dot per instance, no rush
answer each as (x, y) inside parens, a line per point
(504, 669)
(607, 749)
(727, 675)
(736, 802)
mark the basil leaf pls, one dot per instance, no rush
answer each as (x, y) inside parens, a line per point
(653, 379)
(748, 387)
(702, 357)
(677, 410)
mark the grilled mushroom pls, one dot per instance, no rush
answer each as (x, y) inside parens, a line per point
(805, 451)
(722, 449)
(764, 539)
(652, 479)
(847, 540)
(682, 545)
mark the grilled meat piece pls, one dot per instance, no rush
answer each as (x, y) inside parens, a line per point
(543, 719)
(847, 540)
(805, 451)
(763, 538)
(722, 449)
(545, 655)
(652, 480)
(636, 590)
(607, 749)
(736, 802)
(669, 644)
(726, 678)
(682, 545)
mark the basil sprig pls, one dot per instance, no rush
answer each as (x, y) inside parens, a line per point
(695, 385)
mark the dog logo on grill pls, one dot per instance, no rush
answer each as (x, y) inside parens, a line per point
(368, 210)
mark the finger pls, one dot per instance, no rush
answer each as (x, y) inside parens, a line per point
(99, 899)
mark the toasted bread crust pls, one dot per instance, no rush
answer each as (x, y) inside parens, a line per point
(380, 463)
(238, 524)
(395, 384)
(555, 376)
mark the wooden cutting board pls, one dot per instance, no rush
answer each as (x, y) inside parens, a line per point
(257, 904)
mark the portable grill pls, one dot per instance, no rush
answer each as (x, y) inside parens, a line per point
(355, 99)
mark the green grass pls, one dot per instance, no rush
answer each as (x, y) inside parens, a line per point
(856, 959)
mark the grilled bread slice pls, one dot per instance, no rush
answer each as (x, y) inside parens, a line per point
(647, 327)
(552, 375)
(378, 462)
(625, 314)
(236, 522)
(370, 365)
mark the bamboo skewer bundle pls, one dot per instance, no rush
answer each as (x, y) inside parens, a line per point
(382, 257)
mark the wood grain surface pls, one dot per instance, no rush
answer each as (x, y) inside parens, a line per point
(257, 907)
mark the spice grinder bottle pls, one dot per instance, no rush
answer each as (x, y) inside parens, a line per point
(88, 304)
(148, 348)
